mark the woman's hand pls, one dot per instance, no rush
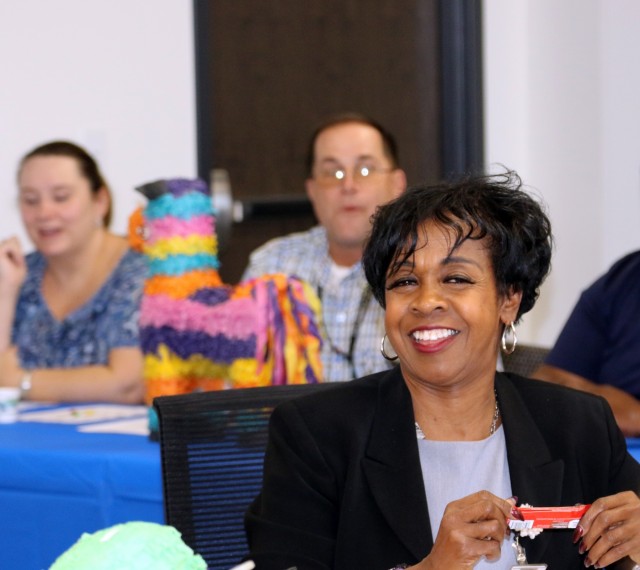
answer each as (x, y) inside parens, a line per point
(610, 530)
(13, 272)
(13, 269)
(471, 528)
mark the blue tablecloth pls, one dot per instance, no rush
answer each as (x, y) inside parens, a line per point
(56, 483)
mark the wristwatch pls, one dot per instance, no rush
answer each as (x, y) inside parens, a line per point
(25, 385)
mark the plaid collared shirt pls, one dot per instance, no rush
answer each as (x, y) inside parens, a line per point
(305, 255)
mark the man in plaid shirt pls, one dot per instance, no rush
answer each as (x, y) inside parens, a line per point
(352, 167)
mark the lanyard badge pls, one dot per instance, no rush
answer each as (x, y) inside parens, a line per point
(521, 558)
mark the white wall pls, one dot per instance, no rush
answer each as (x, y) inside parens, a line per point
(115, 76)
(562, 92)
(562, 102)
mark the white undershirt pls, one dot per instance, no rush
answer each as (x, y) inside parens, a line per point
(337, 274)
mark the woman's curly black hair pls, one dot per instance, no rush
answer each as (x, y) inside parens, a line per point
(476, 207)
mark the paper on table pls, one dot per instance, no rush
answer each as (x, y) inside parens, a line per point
(83, 414)
(135, 426)
(26, 406)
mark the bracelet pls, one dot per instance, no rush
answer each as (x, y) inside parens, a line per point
(399, 567)
(25, 385)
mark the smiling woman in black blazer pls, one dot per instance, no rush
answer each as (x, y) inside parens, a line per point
(421, 467)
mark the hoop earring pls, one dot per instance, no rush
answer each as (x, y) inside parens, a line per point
(383, 340)
(509, 338)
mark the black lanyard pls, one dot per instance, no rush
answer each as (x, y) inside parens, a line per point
(365, 298)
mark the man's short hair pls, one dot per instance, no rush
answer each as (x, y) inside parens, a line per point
(389, 146)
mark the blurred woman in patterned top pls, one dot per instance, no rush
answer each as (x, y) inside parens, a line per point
(68, 310)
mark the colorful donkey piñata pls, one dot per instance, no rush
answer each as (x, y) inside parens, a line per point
(200, 334)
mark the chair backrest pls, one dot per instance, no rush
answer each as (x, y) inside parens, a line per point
(524, 359)
(212, 447)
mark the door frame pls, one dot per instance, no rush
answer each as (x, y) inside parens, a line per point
(462, 138)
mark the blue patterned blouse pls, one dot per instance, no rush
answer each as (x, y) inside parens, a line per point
(85, 337)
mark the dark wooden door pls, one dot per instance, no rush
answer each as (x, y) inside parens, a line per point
(268, 72)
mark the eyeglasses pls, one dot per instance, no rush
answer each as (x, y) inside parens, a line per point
(362, 173)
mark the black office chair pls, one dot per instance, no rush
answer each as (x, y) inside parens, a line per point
(212, 446)
(524, 359)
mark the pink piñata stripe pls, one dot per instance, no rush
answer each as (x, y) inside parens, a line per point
(234, 319)
(170, 227)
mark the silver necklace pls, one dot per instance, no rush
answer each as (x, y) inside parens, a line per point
(492, 428)
(496, 415)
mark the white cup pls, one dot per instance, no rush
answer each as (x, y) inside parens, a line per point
(9, 398)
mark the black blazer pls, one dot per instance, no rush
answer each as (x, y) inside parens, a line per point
(343, 486)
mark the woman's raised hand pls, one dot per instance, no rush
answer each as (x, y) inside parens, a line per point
(471, 527)
(13, 269)
(610, 530)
